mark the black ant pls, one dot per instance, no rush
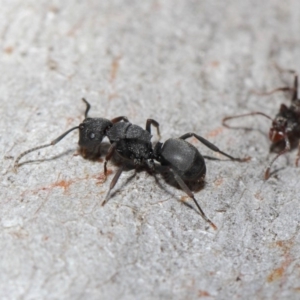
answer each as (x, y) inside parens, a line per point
(93, 130)
(133, 143)
(285, 128)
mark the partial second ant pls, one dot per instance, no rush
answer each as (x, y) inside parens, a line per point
(285, 127)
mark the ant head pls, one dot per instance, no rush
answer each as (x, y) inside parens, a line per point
(91, 133)
(277, 131)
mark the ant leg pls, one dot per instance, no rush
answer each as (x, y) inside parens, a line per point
(284, 89)
(286, 149)
(298, 155)
(112, 184)
(280, 89)
(16, 164)
(118, 119)
(108, 156)
(281, 70)
(244, 115)
(211, 146)
(88, 106)
(154, 123)
(186, 189)
(295, 94)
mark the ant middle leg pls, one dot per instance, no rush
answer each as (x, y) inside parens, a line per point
(154, 123)
(112, 184)
(211, 146)
(224, 121)
(286, 149)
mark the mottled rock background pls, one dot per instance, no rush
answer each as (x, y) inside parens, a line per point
(186, 64)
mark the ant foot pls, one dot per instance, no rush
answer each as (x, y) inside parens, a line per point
(247, 158)
(267, 174)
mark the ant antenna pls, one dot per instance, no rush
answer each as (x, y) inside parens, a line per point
(16, 164)
(286, 149)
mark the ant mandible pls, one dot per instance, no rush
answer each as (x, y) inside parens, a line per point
(285, 126)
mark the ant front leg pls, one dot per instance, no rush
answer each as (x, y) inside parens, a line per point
(108, 156)
(154, 123)
(224, 121)
(112, 184)
(88, 106)
(186, 189)
(286, 149)
(211, 146)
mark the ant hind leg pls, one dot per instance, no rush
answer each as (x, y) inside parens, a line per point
(186, 189)
(154, 123)
(211, 146)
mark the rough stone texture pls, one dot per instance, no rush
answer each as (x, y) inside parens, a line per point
(186, 64)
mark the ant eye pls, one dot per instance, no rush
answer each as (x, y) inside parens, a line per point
(81, 127)
(92, 135)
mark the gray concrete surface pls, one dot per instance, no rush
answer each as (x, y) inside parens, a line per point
(187, 64)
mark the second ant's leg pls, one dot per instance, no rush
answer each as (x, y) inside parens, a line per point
(295, 88)
(186, 189)
(154, 123)
(281, 89)
(286, 149)
(112, 184)
(211, 146)
(108, 156)
(244, 115)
